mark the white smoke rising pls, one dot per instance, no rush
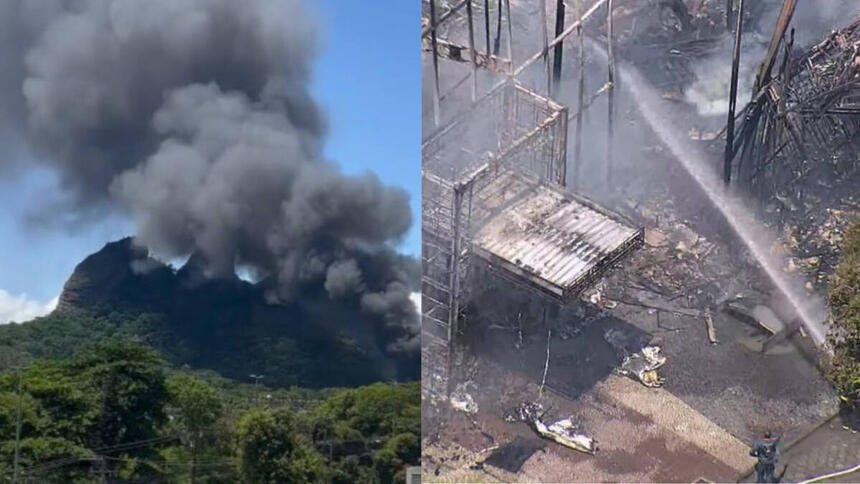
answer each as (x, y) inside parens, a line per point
(21, 308)
(415, 297)
(812, 21)
(710, 91)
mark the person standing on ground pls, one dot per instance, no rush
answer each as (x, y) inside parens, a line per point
(767, 453)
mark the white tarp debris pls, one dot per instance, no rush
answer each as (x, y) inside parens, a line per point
(643, 366)
(563, 432)
(462, 400)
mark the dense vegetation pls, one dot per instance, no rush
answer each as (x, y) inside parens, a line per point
(845, 307)
(116, 408)
(232, 349)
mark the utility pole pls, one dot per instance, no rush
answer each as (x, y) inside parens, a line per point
(194, 443)
(257, 379)
(17, 430)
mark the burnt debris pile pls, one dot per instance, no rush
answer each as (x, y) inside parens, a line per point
(802, 124)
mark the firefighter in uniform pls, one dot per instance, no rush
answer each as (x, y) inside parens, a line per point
(767, 453)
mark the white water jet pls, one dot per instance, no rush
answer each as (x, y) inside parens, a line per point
(754, 235)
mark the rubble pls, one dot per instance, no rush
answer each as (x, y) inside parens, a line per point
(796, 146)
(655, 238)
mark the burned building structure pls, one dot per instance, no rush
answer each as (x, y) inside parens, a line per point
(494, 178)
(803, 119)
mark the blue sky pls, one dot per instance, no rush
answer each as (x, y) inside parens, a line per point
(368, 81)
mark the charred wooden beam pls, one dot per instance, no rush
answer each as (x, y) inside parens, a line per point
(733, 97)
(461, 53)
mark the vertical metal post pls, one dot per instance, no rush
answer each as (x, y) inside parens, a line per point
(17, 431)
(545, 35)
(581, 99)
(733, 95)
(472, 49)
(729, 6)
(509, 40)
(610, 100)
(487, 25)
(556, 58)
(436, 116)
(498, 38)
(454, 283)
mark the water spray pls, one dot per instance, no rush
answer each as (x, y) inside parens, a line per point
(809, 308)
(753, 234)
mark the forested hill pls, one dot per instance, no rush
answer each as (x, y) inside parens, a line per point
(226, 325)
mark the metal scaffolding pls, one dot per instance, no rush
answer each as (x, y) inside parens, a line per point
(510, 129)
(487, 153)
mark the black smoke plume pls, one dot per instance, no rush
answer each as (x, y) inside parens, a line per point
(194, 117)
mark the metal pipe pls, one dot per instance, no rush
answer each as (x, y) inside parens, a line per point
(436, 116)
(472, 49)
(610, 100)
(509, 40)
(556, 59)
(545, 35)
(729, 7)
(498, 38)
(733, 97)
(487, 24)
(580, 103)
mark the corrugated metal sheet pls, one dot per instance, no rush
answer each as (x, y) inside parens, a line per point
(552, 239)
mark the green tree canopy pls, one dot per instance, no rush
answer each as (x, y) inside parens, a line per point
(272, 449)
(845, 308)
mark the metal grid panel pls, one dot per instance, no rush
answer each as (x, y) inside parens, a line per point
(553, 240)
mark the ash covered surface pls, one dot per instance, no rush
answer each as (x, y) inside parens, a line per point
(580, 355)
(513, 455)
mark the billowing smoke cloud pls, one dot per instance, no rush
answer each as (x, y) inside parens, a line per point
(195, 118)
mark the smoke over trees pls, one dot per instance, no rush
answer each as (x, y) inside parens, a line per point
(194, 117)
